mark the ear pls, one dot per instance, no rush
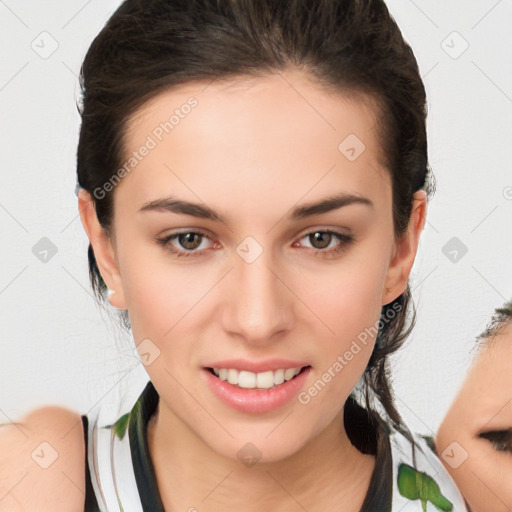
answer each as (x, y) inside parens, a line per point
(405, 250)
(103, 248)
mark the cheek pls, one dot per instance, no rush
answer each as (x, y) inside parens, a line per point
(346, 301)
(158, 292)
(485, 478)
(166, 296)
(347, 297)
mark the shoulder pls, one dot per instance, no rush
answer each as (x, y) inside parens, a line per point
(42, 462)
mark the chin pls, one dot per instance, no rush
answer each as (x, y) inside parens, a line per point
(261, 448)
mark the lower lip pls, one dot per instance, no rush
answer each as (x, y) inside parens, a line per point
(256, 400)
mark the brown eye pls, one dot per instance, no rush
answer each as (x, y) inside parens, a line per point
(189, 240)
(322, 238)
(501, 440)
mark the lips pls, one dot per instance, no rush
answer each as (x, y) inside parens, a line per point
(249, 399)
(257, 366)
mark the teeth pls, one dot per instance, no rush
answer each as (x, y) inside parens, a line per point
(232, 376)
(247, 380)
(250, 380)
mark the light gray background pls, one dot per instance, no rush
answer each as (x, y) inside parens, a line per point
(57, 348)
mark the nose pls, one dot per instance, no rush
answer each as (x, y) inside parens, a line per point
(258, 304)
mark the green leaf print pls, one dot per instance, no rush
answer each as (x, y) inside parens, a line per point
(430, 443)
(120, 425)
(415, 485)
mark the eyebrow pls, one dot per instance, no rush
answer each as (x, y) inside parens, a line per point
(173, 205)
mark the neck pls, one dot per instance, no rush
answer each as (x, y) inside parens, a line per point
(326, 472)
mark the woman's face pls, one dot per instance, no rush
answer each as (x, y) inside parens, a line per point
(482, 466)
(257, 288)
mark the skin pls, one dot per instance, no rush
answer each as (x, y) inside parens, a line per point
(253, 150)
(483, 404)
(25, 483)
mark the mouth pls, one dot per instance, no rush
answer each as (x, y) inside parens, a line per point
(256, 393)
(259, 381)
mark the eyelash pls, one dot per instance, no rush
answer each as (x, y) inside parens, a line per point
(501, 440)
(345, 241)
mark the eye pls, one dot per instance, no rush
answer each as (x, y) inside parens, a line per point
(190, 240)
(320, 240)
(501, 440)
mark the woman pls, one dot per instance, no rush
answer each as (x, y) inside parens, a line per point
(253, 178)
(475, 437)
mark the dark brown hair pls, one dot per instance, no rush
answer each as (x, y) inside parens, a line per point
(501, 318)
(351, 46)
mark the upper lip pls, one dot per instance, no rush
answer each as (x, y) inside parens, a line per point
(257, 366)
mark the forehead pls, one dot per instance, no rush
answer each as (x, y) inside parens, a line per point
(260, 137)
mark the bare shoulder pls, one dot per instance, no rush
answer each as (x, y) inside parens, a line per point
(42, 462)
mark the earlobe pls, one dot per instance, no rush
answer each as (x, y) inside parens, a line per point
(405, 250)
(103, 249)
